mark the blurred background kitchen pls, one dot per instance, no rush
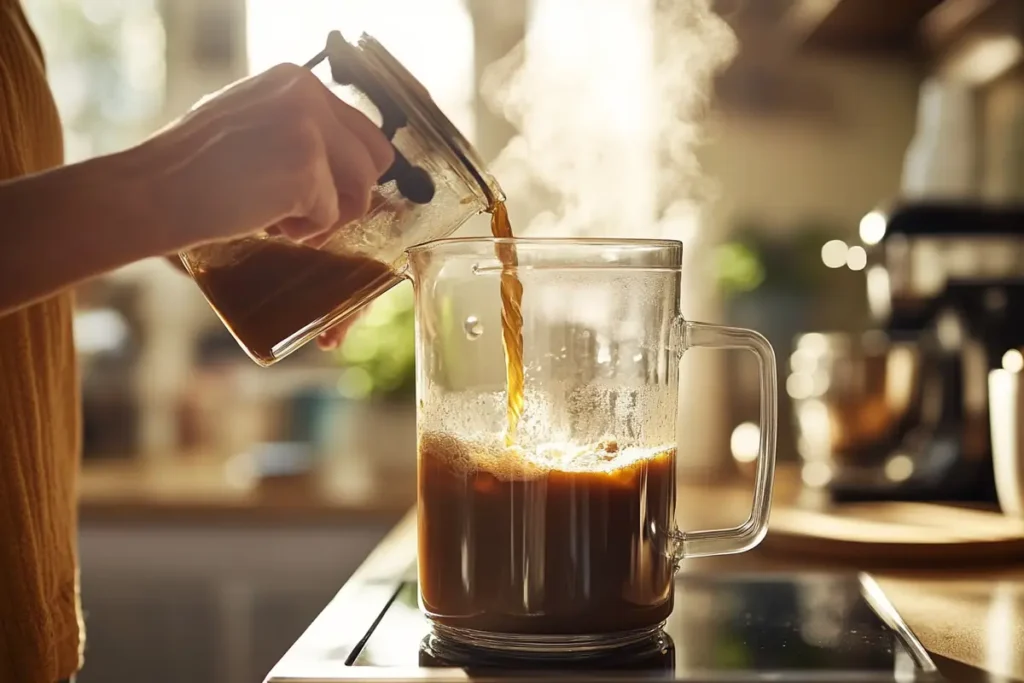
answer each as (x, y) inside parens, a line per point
(223, 504)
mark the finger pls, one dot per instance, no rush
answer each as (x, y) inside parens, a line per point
(320, 239)
(329, 340)
(332, 338)
(353, 170)
(343, 197)
(379, 148)
(377, 202)
(295, 228)
(322, 213)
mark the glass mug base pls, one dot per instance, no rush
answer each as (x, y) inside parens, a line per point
(458, 644)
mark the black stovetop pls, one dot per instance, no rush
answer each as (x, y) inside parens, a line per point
(829, 627)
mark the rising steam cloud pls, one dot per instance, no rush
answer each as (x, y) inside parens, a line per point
(608, 97)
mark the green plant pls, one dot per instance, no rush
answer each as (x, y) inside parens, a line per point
(379, 352)
(757, 257)
(738, 267)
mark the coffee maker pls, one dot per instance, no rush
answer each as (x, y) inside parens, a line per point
(948, 278)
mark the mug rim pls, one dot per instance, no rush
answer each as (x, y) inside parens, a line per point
(606, 242)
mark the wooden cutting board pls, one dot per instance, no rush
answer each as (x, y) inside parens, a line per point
(897, 533)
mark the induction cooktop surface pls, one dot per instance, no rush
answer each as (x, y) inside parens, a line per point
(802, 627)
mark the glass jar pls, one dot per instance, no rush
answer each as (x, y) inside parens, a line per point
(565, 543)
(274, 294)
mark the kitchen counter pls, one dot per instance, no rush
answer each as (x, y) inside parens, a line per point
(207, 489)
(970, 620)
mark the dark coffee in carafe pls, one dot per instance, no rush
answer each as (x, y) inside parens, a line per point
(275, 289)
(564, 542)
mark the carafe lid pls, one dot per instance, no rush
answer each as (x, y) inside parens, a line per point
(401, 99)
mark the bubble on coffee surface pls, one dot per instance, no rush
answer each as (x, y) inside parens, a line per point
(473, 327)
(566, 426)
(556, 410)
(517, 463)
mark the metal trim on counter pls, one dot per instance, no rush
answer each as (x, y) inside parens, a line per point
(323, 651)
(876, 597)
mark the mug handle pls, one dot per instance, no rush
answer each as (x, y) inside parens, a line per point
(688, 544)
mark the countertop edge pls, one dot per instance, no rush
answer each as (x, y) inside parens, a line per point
(365, 593)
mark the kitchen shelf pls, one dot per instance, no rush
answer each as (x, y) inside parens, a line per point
(861, 26)
(976, 41)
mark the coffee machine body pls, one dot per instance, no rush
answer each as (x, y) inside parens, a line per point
(950, 279)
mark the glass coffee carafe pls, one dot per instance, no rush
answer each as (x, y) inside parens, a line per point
(274, 294)
(562, 540)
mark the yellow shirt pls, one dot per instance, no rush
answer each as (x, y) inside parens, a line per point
(40, 624)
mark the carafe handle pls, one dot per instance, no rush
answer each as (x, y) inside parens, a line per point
(413, 182)
(740, 538)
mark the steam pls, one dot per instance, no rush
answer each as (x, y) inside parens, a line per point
(608, 97)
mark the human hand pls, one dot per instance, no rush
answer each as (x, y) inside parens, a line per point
(277, 151)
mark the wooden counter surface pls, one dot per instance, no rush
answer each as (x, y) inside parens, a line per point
(211, 489)
(972, 617)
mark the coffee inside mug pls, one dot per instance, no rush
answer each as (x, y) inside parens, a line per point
(565, 539)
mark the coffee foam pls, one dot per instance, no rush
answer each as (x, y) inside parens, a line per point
(507, 463)
(556, 411)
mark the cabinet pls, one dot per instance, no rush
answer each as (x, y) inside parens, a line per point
(208, 604)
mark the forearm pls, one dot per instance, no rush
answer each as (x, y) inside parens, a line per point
(66, 225)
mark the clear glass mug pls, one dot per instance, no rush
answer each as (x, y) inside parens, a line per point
(273, 294)
(565, 542)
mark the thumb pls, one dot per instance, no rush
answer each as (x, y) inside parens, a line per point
(321, 216)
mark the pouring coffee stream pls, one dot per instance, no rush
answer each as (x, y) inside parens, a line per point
(415, 184)
(511, 318)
